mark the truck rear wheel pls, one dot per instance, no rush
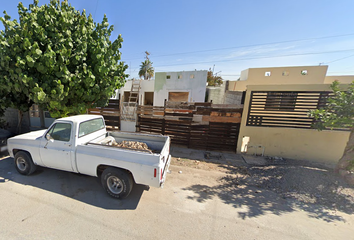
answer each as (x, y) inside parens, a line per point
(118, 183)
(24, 164)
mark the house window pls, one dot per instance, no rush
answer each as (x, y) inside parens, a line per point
(126, 96)
(168, 77)
(149, 98)
(191, 76)
(178, 96)
(285, 73)
(179, 76)
(303, 72)
(47, 114)
(267, 74)
(280, 101)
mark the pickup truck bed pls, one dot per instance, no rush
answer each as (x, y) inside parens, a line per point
(141, 164)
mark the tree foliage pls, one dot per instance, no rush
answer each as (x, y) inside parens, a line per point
(339, 112)
(146, 69)
(58, 58)
(213, 80)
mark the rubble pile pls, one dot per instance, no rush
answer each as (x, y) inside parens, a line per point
(132, 145)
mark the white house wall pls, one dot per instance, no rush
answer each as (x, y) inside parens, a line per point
(195, 86)
(146, 86)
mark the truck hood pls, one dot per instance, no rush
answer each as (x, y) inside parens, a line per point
(30, 136)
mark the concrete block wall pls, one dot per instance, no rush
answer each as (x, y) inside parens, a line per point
(11, 117)
(233, 97)
(216, 94)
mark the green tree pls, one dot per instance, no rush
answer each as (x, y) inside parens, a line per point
(213, 80)
(58, 58)
(339, 113)
(146, 69)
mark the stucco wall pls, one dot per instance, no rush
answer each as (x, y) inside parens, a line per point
(146, 86)
(304, 144)
(341, 79)
(279, 75)
(195, 86)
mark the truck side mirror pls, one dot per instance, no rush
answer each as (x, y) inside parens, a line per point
(49, 138)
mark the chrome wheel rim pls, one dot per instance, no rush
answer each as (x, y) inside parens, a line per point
(21, 164)
(115, 185)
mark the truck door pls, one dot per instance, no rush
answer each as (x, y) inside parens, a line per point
(56, 147)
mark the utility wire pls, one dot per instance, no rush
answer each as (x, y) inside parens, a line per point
(94, 15)
(340, 59)
(253, 45)
(254, 58)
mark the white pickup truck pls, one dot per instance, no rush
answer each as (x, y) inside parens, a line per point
(80, 144)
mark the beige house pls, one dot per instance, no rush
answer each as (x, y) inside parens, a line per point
(285, 75)
(275, 118)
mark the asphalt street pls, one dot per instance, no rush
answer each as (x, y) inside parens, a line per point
(194, 204)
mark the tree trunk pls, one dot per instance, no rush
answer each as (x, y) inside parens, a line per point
(41, 117)
(345, 165)
(19, 123)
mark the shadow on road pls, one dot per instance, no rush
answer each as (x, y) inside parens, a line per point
(280, 189)
(79, 187)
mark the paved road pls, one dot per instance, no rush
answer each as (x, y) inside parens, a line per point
(194, 204)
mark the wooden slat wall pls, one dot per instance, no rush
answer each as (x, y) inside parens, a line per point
(150, 125)
(223, 136)
(284, 109)
(213, 136)
(110, 113)
(217, 129)
(178, 131)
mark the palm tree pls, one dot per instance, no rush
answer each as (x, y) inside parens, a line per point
(146, 70)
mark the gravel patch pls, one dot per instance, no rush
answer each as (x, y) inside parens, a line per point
(302, 182)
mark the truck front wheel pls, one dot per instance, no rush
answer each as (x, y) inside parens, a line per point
(118, 183)
(24, 164)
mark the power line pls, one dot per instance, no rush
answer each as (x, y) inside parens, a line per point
(253, 45)
(254, 58)
(94, 15)
(340, 59)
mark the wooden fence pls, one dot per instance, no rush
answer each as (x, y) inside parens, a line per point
(195, 125)
(111, 114)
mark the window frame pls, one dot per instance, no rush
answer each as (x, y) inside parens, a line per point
(53, 127)
(78, 129)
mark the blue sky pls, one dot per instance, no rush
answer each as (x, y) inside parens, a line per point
(234, 35)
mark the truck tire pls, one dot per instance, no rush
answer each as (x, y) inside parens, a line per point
(24, 164)
(118, 183)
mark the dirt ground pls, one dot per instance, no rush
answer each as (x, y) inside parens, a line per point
(207, 195)
(302, 183)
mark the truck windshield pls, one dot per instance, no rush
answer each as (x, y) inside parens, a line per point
(90, 126)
